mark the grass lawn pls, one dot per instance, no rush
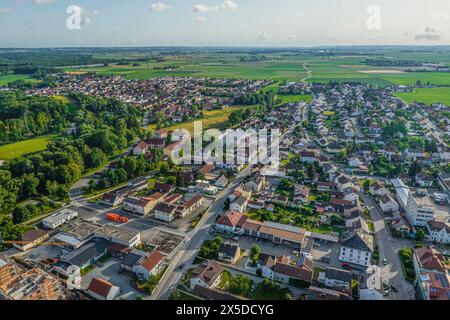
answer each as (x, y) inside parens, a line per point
(211, 119)
(4, 80)
(294, 98)
(18, 149)
(261, 293)
(427, 96)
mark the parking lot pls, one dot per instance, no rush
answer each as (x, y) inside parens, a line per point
(327, 255)
(111, 272)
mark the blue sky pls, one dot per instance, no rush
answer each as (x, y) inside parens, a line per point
(42, 23)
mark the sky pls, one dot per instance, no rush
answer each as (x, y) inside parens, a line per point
(260, 23)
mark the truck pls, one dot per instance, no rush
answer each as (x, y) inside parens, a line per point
(113, 217)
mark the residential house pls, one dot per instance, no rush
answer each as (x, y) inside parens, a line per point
(207, 275)
(301, 194)
(165, 212)
(141, 148)
(336, 279)
(229, 252)
(424, 180)
(438, 231)
(378, 189)
(31, 239)
(388, 204)
(357, 248)
(324, 294)
(240, 204)
(149, 266)
(221, 182)
(232, 222)
(101, 289)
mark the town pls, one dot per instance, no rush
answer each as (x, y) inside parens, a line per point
(357, 209)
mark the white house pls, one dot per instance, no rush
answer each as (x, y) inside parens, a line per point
(424, 180)
(357, 248)
(354, 162)
(240, 204)
(140, 149)
(102, 290)
(207, 275)
(165, 212)
(59, 218)
(388, 204)
(438, 231)
(336, 278)
(150, 266)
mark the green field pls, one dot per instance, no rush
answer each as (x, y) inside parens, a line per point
(211, 119)
(18, 149)
(427, 96)
(294, 98)
(4, 80)
(280, 68)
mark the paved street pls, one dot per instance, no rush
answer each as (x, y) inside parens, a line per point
(197, 236)
(393, 271)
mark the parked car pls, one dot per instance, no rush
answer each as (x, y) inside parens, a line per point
(235, 238)
(394, 288)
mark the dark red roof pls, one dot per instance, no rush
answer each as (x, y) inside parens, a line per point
(100, 287)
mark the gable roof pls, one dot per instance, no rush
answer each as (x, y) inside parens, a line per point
(233, 219)
(100, 287)
(431, 259)
(360, 240)
(338, 274)
(208, 272)
(153, 260)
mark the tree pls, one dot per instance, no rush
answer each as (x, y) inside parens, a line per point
(254, 253)
(414, 169)
(311, 171)
(240, 284)
(366, 185)
(20, 214)
(420, 235)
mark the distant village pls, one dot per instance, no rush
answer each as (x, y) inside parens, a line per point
(358, 208)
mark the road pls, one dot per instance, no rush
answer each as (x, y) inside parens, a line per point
(393, 271)
(196, 238)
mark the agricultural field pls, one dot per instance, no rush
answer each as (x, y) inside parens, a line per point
(280, 68)
(211, 119)
(18, 149)
(4, 80)
(427, 96)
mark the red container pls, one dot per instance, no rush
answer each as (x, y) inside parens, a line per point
(113, 217)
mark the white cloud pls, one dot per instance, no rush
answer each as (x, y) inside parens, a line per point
(430, 34)
(5, 10)
(263, 35)
(159, 6)
(229, 5)
(439, 16)
(200, 19)
(201, 8)
(292, 36)
(43, 1)
(226, 5)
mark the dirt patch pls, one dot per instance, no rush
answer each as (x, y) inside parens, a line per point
(76, 72)
(381, 71)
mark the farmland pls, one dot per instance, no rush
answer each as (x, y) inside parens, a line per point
(18, 149)
(4, 80)
(427, 96)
